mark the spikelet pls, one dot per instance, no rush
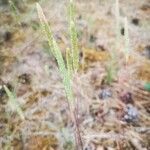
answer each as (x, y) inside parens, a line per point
(73, 37)
(69, 63)
(45, 27)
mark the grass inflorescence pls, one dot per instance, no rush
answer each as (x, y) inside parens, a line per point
(67, 67)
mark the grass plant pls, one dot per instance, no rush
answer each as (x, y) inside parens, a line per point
(56, 53)
(67, 69)
(111, 68)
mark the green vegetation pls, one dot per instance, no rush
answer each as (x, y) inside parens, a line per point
(111, 68)
(70, 65)
(147, 86)
(15, 11)
(57, 53)
(73, 37)
(89, 105)
(72, 56)
(13, 103)
(111, 73)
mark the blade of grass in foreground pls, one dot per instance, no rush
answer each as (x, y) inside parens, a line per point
(15, 11)
(13, 103)
(57, 53)
(63, 72)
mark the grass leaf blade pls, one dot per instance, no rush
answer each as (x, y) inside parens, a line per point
(13, 103)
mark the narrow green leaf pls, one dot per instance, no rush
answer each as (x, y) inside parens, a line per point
(13, 103)
(63, 71)
(15, 11)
